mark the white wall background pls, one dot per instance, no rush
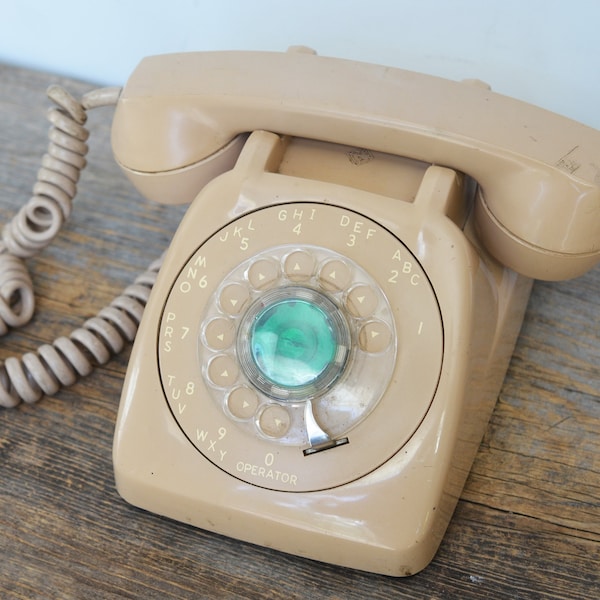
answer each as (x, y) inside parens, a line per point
(546, 52)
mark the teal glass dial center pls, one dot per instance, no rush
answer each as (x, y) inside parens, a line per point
(294, 343)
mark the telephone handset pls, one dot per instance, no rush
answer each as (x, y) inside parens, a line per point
(538, 172)
(332, 323)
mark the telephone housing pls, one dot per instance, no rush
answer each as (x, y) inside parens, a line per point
(407, 216)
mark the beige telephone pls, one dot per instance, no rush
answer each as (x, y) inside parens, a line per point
(328, 334)
(332, 323)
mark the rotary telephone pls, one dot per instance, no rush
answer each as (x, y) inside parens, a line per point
(332, 323)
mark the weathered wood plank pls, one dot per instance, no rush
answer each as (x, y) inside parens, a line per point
(528, 524)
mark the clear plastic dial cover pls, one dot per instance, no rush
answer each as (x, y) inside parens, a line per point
(296, 349)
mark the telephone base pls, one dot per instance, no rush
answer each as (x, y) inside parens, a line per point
(432, 320)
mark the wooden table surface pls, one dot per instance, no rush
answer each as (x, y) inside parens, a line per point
(528, 522)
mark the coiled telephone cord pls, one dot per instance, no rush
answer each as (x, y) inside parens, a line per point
(37, 223)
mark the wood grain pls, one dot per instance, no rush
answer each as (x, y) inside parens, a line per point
(528, 523)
